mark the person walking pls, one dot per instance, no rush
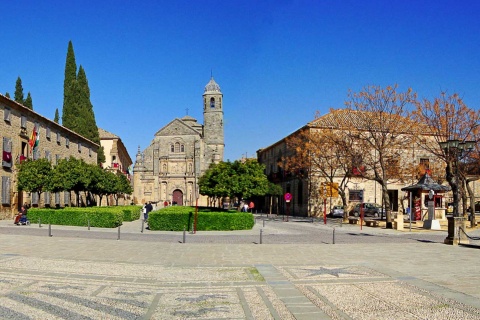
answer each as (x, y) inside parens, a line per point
(148, 209)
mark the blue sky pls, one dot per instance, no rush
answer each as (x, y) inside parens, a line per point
(277, 62)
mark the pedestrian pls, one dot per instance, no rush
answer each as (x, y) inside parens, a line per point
(21, 217)
(144, 212)
(251, 205)
(245, 207)
(148, 209)
(165, 203)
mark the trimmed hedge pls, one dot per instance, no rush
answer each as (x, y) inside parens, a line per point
(101, 217)
(176, 218)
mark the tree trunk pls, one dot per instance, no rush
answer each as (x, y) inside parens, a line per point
(471, 194)
(386, 202)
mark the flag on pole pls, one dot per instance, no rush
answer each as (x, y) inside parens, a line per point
(33, 138)
(37, 141)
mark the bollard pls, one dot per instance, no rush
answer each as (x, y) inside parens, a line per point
(184, 235)
(143, 224)
(88, 222)
(333, 235)
(49, 229)
(39, 223)
(118, 236)
(261, 231)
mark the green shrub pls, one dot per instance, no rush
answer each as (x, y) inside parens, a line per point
(176, 218)
(101, 217)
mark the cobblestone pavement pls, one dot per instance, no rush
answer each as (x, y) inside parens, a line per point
(293, 271)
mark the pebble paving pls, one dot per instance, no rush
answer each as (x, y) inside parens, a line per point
(71, 276)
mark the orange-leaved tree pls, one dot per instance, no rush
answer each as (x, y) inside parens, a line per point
(450, 119)
(379, 125)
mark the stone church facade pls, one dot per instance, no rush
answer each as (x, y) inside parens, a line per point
(169, 168)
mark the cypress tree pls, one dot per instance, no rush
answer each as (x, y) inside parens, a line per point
(78, 112)
(19, 91)
(28, 102)
(57, 117)
(7, 95)
(69, 116)
(89, 127)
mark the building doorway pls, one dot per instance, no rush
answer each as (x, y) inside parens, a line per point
(177, 198)
(393, 195)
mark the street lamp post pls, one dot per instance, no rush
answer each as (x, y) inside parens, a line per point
(454, 150)
(195, 172)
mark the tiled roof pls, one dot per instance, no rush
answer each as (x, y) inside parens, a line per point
(361, 120)
(104, 134)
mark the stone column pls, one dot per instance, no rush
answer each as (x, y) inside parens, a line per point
(455, 236)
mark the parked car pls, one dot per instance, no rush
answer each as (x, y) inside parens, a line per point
(369, 209)
(337, 211)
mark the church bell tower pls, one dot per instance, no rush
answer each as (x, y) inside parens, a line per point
(213, 123)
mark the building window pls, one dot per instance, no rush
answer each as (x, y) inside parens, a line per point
(23, 122)
(57, 199)
(355, 195)
(212, 102)
(177, 147)
(34, 198)
(47, 199)
(89, 152)
(58, 137)
(57, 158)
(7, 153)
(79, 147)
(6, 114)
(425, 164)
(172, 148)
(67, 142)
(66, 198)
(47, 134)
(48, 155)
(5, 190)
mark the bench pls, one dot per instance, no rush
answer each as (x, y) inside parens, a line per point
(353, 220)
(372, 223)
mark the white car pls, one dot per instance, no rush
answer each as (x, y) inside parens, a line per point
(337, 212)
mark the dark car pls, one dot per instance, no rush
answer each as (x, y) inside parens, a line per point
(337, 211)
(369, 210)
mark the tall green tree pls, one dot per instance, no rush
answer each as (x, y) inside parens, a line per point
(88, 127)
(28, 102)
(103, 183)
(78, 112)
(19, 91)
(7, 95)
(34, 175)
(71, 175)
(57, 117)
(69, 112)
(122, 186)
(240, 179)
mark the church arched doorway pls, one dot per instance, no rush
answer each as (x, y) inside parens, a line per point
(177, 197)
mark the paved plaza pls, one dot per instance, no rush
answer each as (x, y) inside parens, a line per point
(278, 270)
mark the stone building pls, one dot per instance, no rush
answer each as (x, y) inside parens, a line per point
(169, 168)
(55, 142)
(117, 160)
(307, 199)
